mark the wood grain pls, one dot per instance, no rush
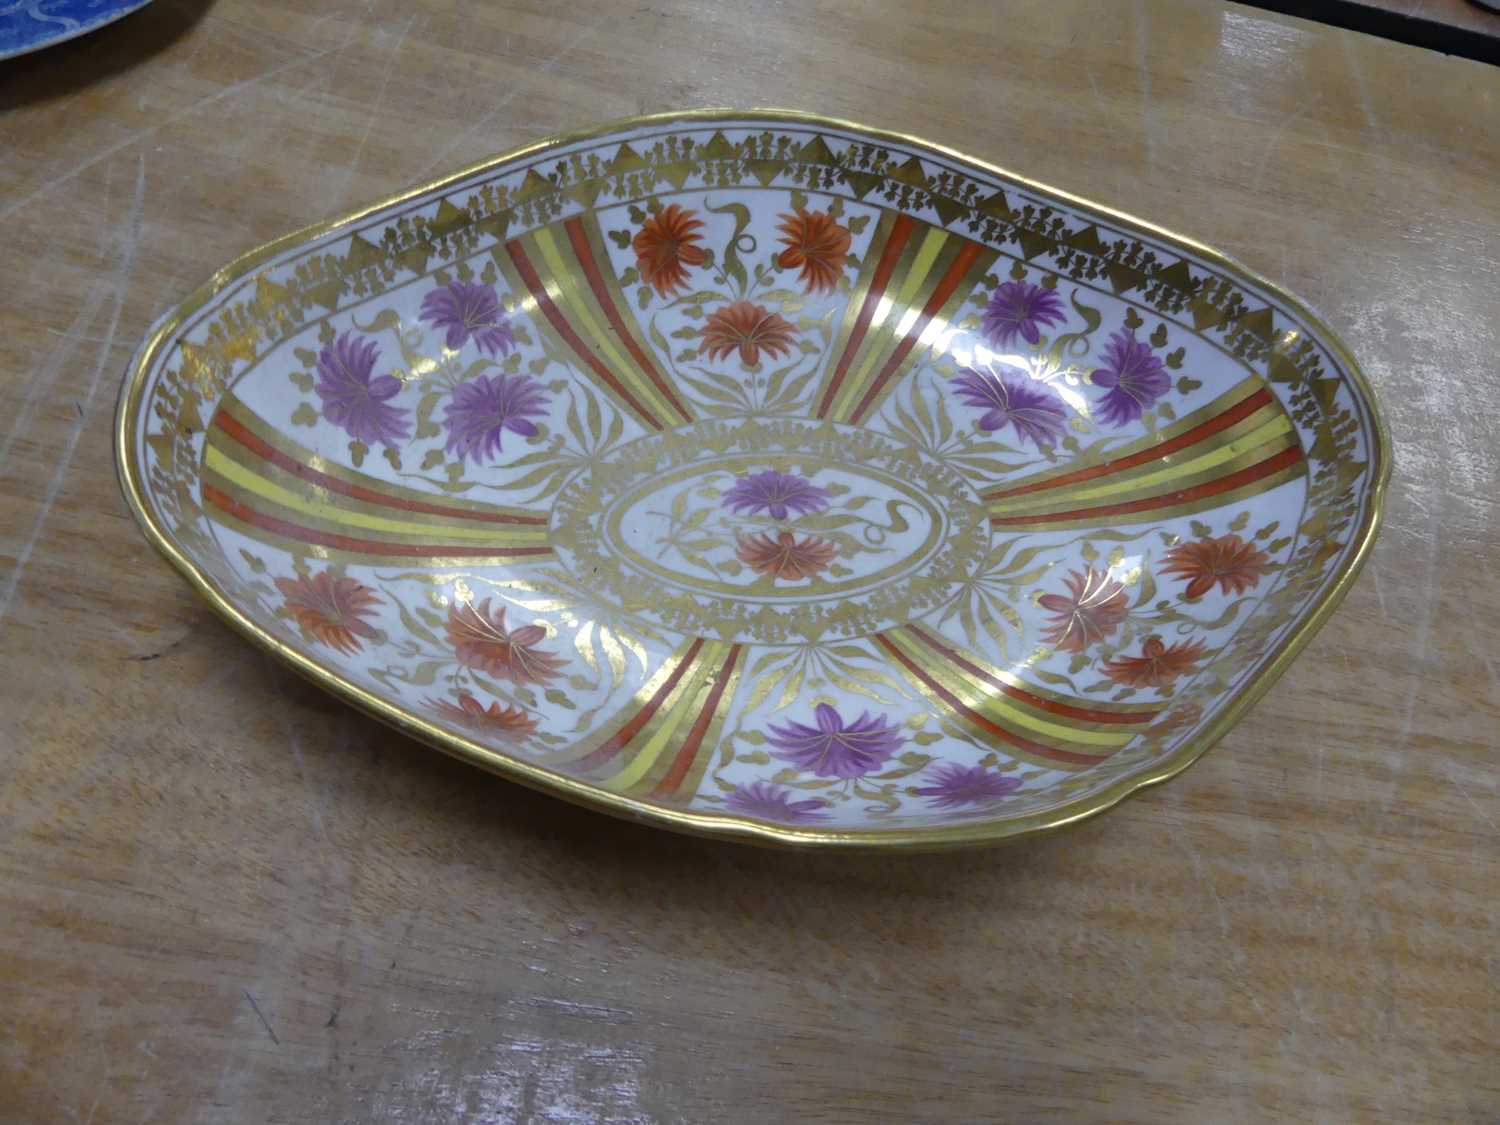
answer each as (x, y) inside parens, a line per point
(225, 898)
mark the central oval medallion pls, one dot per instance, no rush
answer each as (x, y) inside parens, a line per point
(770, 530)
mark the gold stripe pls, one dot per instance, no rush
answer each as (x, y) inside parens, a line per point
(935, 244)
(305, 456)
(710, 744)
(639, 700)
(661, 731)
(1261, 428)
(1012, 680)
(993, 705)
(221, 446)
(937, 324)
(1226, 401)
(528, 306)
(332, 516)
(857, 296)
(571, 293)
(1191, 507)
(938, 703)
(362, 558)
(595, 236)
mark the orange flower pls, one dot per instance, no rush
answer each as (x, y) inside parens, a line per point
(330, 610)
(1235, 565)
(1157, 666)
(666, 245)
(481, 640)
(1093, 608)
(507, 722)
(784, 557)
(748, 327)
(817, 243)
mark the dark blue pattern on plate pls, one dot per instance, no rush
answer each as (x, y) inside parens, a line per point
(27, 25)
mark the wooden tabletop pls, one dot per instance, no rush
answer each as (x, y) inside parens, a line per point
(226, 898)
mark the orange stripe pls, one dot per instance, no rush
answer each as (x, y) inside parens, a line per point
(940, 295)
(900, 231)
(338, 542)
(684, 760)
(1049, 705)
(983, 723)
(235, 429)
(1282, 460)
(580, 240)
(616, 742)
(1222, 421)
(565, 330)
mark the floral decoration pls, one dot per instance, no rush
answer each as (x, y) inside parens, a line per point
(1027, 406)
(748, 328)
(485, 408)
(667, 244)
(353, 400)
(832, 747)
(331, 609)
(467, 310)
(818, 245)
(1021, 309)
(786, 558)
(1226, 561)
(778, 494)
(481, 640)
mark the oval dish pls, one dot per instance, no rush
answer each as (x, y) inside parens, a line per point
(765, 476)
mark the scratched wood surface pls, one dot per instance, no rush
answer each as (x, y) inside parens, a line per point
(226, 898)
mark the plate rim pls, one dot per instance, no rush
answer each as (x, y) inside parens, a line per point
(723, 825)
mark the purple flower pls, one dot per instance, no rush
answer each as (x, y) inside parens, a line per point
(1016, 308)
(834, 749)
(468, 308)
(958, 786)
(772, 802)
(777, 493)
(354, 401)
(1135, 378)
(485, 407)
(1034, 410)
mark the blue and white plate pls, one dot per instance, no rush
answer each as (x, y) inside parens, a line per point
(29, 25)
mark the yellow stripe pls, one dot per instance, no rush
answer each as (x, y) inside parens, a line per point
(305, 456)
(1227, 452)
(1186, 508)
(595, 236)
(233, 471)
(1237, 445)
(578, 299)
(643, 695)
(995, 706)
(694, 776)
(857, 296)
(676, 714)
(921, 265)
(693, 703)
(427, 524)
(1011, 680)
(1228, 400)
(937, 324)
